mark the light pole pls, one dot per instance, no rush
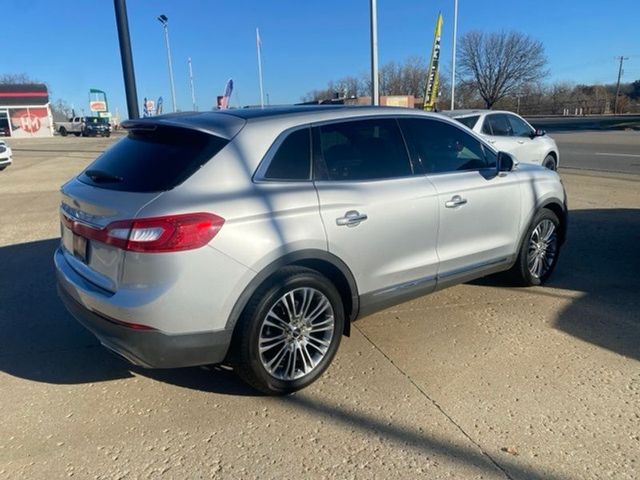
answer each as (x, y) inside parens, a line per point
(164, 20)
(453, 55)
(126, 57)
(375, 94)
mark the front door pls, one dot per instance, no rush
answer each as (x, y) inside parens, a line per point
(479, 209)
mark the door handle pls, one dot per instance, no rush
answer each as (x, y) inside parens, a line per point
(455, 201)
(351, 219)
(492, 141)
(521, 142)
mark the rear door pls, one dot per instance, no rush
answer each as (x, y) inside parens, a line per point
(479, 210)
(380, 214)
(117, 185)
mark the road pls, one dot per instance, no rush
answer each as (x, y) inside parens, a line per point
(601, 151)
(477, 381)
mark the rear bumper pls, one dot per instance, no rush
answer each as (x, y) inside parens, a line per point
(146, 348)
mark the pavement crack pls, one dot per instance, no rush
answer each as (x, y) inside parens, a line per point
(437, 405)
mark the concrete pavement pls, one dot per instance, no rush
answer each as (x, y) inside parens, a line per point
(478, 381)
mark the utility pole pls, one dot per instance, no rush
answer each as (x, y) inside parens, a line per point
(615, 101)
(375, 88)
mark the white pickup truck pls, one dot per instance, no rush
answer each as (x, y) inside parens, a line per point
(85, 126)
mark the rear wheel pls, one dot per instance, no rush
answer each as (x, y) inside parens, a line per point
(289, 331)
(550, 162)
(539, 250)
(77, 134)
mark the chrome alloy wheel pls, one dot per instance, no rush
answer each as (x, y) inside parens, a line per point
(296, 333)
(543, 248)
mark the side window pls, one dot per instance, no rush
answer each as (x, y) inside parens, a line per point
(364, 150)
(441, 147)
(490, 156)
(519, 127)
(469, 121)
(499, 125)
(486, 127)
(292, 161)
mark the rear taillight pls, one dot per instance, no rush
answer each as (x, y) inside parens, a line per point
(172, 233)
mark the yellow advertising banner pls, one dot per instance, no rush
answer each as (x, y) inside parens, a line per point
(431, 89)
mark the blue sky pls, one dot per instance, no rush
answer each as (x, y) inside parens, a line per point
(72, 44)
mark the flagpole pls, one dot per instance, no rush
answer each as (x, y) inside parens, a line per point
(193, 92)
(258, 45)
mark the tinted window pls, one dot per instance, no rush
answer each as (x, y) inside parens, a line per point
(499, 125)
(152, 161)
(469, 121)
(441, 147)
(292, 161)
(364, 150)
(519, 127)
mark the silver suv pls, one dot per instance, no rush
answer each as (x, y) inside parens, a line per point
(255, 237)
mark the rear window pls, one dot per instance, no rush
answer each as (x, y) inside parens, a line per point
(152, 161)
(469, 121)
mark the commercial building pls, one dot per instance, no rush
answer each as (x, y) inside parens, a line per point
(25, 111)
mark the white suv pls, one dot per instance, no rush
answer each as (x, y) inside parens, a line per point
(256, 237)
(511, 133)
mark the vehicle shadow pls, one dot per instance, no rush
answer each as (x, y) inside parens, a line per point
(601, 259)
(41, 342)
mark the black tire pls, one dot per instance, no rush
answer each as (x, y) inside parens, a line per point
(550, 163)
(246, 357)
(108, 134)
(522, 273)
(77, 134)
(63, 131)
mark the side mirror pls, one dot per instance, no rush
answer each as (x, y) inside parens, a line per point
(505, 162)
(538, 132)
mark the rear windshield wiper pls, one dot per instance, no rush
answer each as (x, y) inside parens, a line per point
(101, 176)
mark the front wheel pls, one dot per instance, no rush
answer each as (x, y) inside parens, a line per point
(77, 134)
(539, 250)
(550, 163)
(289, 332)
(63, 131)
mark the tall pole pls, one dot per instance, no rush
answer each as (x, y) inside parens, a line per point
(126, 57)
(259, 47)
(165, 24)
(375, 87)
(453, 55)
(193, 92)
(615, 102)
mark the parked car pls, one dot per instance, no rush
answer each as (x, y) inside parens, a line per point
(255, 237)
(511, 133)
(85, 126)
(6, 155)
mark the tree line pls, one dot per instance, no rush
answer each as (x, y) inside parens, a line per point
(505, 70)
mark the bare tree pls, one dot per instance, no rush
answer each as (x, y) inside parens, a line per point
(499, 64)
(16, 78)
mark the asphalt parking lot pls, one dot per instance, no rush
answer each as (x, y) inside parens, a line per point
(477, 381)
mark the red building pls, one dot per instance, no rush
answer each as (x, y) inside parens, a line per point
(25, 111)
